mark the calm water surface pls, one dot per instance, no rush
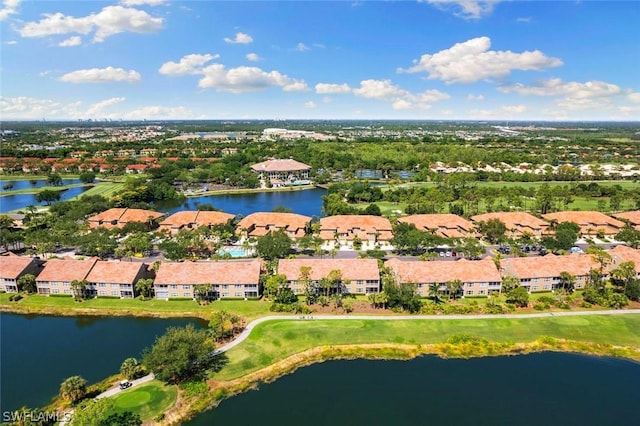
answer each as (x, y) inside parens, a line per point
(39, 352)
(538, 389)
(26, 184)
(306, 202)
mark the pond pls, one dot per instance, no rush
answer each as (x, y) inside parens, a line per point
(10, 203)
(39, 352)
(26, 184)
(538, 389)
(307, 202)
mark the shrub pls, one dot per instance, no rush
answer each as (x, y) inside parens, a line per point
(194, 388)
(547, 300)
(539, 306)
(15, 297)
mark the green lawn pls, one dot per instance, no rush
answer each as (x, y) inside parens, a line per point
(36, 190)
(249, 309)
(106, 189)
(275, 340)
(148, 400)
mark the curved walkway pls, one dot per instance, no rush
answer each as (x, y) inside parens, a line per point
(247, 331)
(249, 328)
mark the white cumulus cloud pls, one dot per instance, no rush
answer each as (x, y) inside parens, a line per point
(101, 75)
(239, 38)
(246, 79)
(634, 97)
(71, 41)
(159, 112)
(9, 7)
(253, 57)
(472, 61)
(97, 109)
(571, 89)
(310, 105)
(328, 88)
(189, 64)
(301, 47)
(472, 97)
(109, 21)
(466, 9)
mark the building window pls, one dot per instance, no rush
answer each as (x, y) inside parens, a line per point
(56, 291)
(174, 294)
(469, 292)
(186, 287)
(186, 294)
(534, 288)
(173, 287)
(67, 292)
(102, 293)
(114, 293)
(102, 285)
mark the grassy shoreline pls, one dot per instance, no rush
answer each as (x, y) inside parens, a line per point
(248, 191)
(470, 347)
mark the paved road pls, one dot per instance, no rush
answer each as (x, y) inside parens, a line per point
(116, 389)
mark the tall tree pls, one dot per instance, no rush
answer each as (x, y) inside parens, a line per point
(73, 388)
(27, 283)
(182, 353)
(274, 245)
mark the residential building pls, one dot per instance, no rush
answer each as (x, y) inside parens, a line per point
(343, 231)
(542, 273)
(621, 254)
(517, 223)
(228, 279)
(443, 225)
(478, 277)
(632, 217)
(114, 278)
(590, 222)
(261, 223)
(282, 172)
(119, 217)
(359, 276)
(12, 267)
(193, 220)
(57, 275)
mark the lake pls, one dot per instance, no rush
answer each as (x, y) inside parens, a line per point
(307, 202)
(39, 352)
(20, 201)
(538, 389)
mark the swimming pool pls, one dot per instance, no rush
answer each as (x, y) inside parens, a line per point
(233, 251)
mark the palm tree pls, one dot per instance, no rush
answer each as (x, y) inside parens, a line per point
(567, 281)
(454, 287)
(73, 388)
(434, 291)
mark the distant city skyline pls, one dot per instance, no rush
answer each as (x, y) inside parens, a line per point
(339, 60)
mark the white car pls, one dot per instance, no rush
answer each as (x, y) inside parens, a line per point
(125, 384)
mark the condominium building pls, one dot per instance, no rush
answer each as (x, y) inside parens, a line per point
(193, 220)
(119, 217)
(226, 279)
(443, 225)
(12, 267)
(261, 223)
(590, 222)
(359, 276)
(478, 277)
(517, 223)
(343, 231)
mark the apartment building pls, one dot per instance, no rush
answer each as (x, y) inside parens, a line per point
(227, 279)
(517, 223)
(343, 231)
(12, 267)
(261, 223)
(193, 220)
(479, 277)
(590, 222)
(359, 276)
(443, 225)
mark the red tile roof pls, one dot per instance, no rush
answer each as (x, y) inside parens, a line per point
(352, 269)
(123, 216)
(286, 165)
(444, 225)
(12, 266)
(588, 220)
(625, 254)
(467, 271)
(350, 226)
(633, 217)
(221, 272)
(196, 218)
(261, 223)
(115, 272)
(549, 265)
(518, 221)
(66, 269)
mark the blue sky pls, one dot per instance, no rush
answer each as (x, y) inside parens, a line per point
(429, 59)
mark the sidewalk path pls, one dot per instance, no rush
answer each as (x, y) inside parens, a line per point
(247, 331)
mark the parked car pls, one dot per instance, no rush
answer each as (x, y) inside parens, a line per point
(576, 249)
(125, 384)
